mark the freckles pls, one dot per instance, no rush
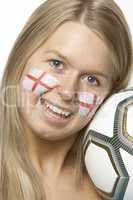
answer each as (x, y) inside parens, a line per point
(38, 81)
(88, 104)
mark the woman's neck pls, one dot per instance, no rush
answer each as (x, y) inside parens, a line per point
(48, 156)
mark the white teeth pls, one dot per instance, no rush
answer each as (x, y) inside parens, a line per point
(47, 105)
(57, 110)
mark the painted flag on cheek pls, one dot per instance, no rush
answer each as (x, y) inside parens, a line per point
(39, 81)
(88, 103)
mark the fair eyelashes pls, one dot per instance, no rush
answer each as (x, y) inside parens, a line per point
(56, 64)
(90, 79)
(59, 65)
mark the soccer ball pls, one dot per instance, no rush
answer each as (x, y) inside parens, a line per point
(108, 147)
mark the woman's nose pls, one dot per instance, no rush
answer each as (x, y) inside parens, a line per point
(66, 94)
(68, 88)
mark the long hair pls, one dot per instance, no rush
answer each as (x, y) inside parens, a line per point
(18, 178)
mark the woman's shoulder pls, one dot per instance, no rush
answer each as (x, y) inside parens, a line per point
(89, 190)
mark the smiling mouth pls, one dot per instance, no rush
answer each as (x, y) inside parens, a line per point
(55, 110)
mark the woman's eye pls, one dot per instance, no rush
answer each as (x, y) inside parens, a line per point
(56, 64)
(91, 80)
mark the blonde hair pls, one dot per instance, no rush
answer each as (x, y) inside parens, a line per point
(18, 178)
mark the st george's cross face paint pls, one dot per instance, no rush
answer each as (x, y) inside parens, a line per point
(88, 103)
(38, 81)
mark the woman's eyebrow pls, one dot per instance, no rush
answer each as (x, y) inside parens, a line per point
(58, 54)
(91, 72)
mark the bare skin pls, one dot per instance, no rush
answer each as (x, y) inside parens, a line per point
(49, 143)
(65, 188)
(58, 179)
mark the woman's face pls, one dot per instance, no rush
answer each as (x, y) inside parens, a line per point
(78, 64)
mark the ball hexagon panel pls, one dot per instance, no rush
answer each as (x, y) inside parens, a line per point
(108, 147)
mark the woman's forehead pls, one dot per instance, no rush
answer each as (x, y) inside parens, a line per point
(75, 44)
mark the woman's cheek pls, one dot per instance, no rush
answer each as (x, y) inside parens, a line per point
(38, 81)
(88, 103)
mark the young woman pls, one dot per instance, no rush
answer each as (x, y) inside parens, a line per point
(69, 57)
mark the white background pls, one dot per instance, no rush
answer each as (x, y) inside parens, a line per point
(14, 14)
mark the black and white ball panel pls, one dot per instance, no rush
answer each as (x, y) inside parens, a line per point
(108, 147)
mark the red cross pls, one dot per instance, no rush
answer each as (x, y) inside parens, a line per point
(90, 106)
(38, 81)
